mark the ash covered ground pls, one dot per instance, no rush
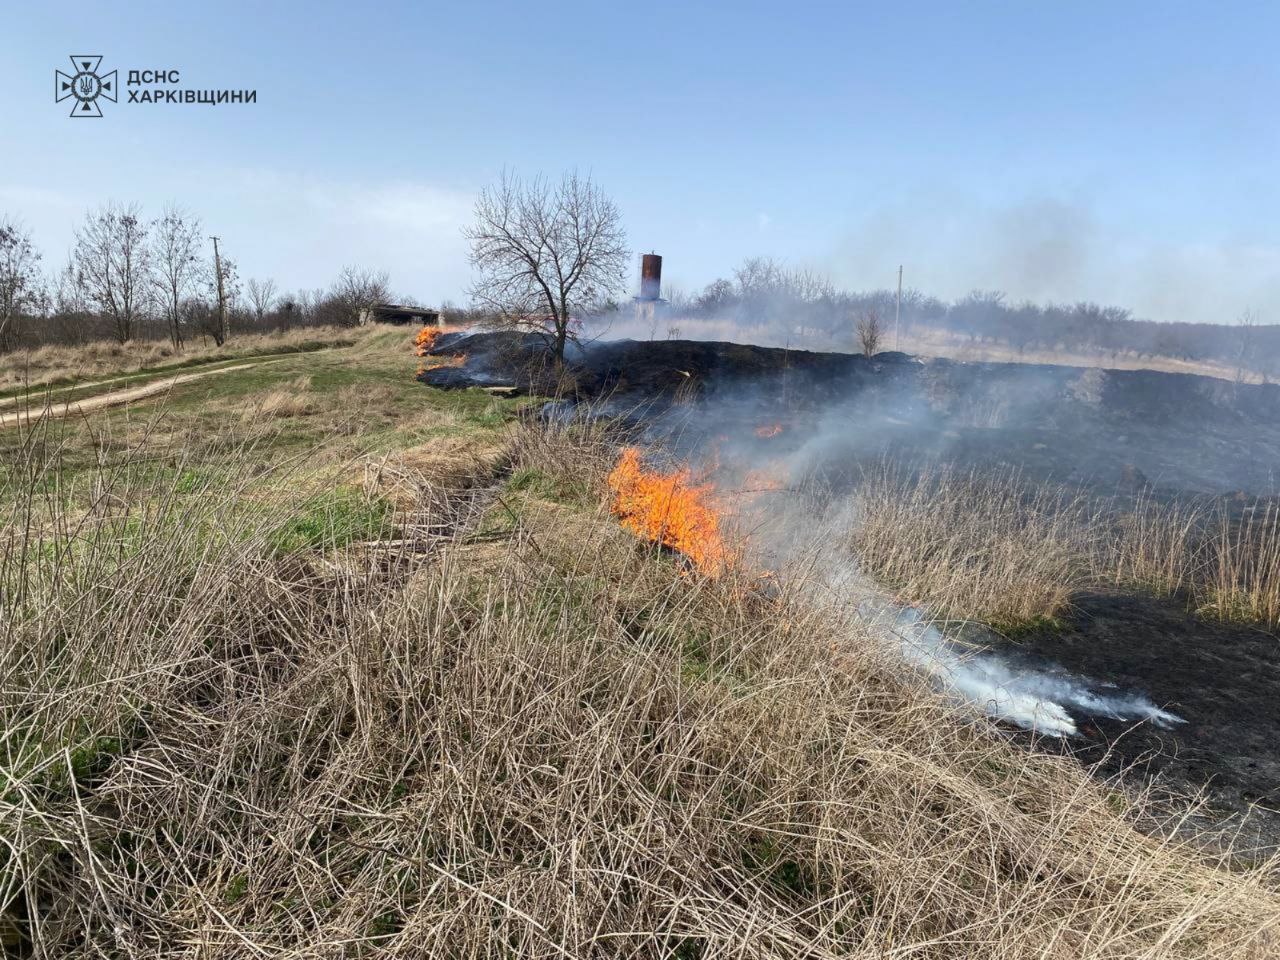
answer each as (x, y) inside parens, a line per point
(1109, 433)
(1103, 428)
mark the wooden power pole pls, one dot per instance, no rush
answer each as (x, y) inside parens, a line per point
(897, 314)
(222, 297)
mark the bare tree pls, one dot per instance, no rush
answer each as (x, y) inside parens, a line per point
(70, 320)
(870, 331)
(1245, 349)
(176, 239)
(546, 255)
(809, 286)
(262, 297)
(113, 265)
(357, 289)
(20, 287)
(760, 276)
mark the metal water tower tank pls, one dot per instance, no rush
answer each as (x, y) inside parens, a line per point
(650, 276)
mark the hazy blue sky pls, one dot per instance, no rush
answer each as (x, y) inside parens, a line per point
(1124, 153)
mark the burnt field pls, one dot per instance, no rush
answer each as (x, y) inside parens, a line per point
(1111, 531)
(1107, 429)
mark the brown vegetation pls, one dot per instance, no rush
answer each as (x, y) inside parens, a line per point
(869, 332)
(991, 546)
(291, 400)
(517, 732)
(930, 341)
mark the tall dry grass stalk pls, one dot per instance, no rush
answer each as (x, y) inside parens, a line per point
(1152, 545)
(989, 545)
(1244, 576)
(973, 544)
(548, 746)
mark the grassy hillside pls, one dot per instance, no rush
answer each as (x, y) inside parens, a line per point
(106, 361)
(311, 660)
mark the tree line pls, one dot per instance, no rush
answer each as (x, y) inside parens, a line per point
(130, 277)
(801, 304)
(551, 259)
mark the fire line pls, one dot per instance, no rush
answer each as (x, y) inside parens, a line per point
(669, 508)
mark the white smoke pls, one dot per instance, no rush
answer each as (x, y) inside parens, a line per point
(1034, 699)
(1043, 697)
(787, 529)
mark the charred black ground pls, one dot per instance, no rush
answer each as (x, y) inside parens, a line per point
(1224, 679)
(1182, 432)
(1107, 432)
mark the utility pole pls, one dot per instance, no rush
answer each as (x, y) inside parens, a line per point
(222, 297)
(897, 314)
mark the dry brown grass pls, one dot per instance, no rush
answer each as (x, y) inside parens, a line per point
(568, 751)
(1246, 575)
(982, 545)
(1225, 560)
(104, 358)
(291, 400)
(990, 546)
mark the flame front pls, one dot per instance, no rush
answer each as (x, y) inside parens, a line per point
(768, 430)
(428, 335)
(425, 340)
(669, 508)
(444, 360)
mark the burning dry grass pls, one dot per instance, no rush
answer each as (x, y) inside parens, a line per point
(671, 508)
(439, 361)
(425, 340)
(988, 545)
(213, 749)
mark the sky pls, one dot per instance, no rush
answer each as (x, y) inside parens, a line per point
(1120, 153)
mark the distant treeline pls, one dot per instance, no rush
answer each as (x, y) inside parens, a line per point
(799, 303)
(129, 277)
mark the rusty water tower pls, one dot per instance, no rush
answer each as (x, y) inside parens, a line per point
(647, 305)
(650, 277)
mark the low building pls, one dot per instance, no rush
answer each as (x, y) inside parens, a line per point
(397, 314)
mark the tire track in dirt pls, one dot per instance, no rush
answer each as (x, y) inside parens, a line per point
(115, 398)
(38, 392)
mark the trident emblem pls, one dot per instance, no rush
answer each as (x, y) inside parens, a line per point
(85, 85)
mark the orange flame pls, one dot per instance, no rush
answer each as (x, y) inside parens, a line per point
(669, 508)
(425, 340)
(427, 336)
(767, 430)
(438, 361)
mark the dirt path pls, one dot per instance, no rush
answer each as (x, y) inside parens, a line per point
(115, 398)
(38, 393)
